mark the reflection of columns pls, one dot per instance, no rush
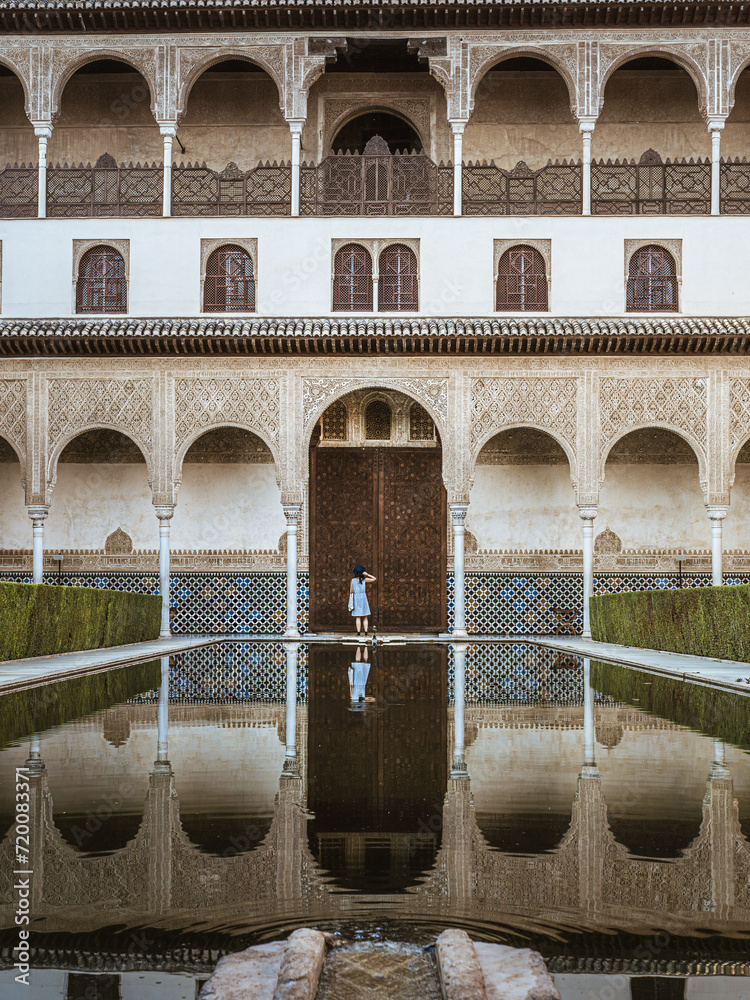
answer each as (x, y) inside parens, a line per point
(35, 774)
(716, 515)
(586, 128)
(715, 126)
(157, 825)
(164, 514)
(162, 724)
(290, 754)
(43, 132)
(168, 132)
(38, 514)
(589, 746)
(295, 126)
(458, 770)
(291, 513)
(458, 141)
(458, 514)
(721, 824)
(34, 761)
(587, 513)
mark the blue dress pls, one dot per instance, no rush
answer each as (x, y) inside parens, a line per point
(361, 607)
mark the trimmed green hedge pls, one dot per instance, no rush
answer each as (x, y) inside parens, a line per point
(714, 712)
(25, 712)
(38, 619)
(705, 621)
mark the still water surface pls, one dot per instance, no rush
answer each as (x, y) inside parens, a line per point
(237, 792)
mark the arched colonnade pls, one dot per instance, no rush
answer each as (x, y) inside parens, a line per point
(585, 60)
(591, 412)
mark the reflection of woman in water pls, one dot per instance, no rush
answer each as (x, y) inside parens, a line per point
(358, 590)
(358, 674)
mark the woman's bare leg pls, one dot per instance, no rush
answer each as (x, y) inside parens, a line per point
(359, 625)
(366, 623)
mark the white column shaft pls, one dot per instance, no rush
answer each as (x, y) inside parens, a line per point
(459, 709)
(167, 181)
(164, 576)
(716, 514)
(715, 127)
(589, 746)
(458, 513)
(43, 134)
(291, 513)
(458, 145)
(296, 128)
(162, 744)
(588, 513)
(38, 551)
(586, 128)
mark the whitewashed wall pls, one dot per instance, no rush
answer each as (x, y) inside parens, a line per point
(294, 265)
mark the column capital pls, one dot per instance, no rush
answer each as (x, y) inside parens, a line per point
(586, 124)
(291, 513)
(458, 512)
(715, 124)
(168, 129)
(42, 130)
(37, 511)
(716, 512)
(296, 125)
(588, 511)
(163, 511)
(458, 125)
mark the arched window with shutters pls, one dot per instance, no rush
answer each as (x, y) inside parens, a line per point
(352, 279)
(378, 421)
(398, 281)
(102, 285)
(521, 281)
(652, 280)
(229, 284)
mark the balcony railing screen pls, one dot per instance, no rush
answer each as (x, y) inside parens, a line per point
(102, 284)
(651, 187)
(265, 190)
(552, 190)
(105, 190)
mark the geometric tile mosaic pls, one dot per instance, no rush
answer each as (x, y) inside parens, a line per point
(496, 603)
(520, 672)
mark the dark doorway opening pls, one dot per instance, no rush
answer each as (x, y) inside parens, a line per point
(386, 509)
(397, 133)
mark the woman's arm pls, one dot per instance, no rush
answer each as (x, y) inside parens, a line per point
(370, 578)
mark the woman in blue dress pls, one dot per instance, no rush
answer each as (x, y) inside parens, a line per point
(358, 591)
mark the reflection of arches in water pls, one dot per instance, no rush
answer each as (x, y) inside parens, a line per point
(377, 779)
(103, 829)
(523, 832)
(660, 837)
(224, 835)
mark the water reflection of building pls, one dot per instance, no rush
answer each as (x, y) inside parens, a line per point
(263, 865)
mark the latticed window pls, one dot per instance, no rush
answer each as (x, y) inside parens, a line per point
(102, 285)
(230, 281)
(652, 281)
(521, 281)
(398, 285)
(421, 427)
(378, 421)
(334, 422)
(352, 279)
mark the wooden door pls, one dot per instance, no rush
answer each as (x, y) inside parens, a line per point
(384, 508)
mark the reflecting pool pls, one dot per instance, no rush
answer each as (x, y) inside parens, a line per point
(191, 807)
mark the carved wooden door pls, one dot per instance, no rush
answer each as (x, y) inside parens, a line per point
(384, 508)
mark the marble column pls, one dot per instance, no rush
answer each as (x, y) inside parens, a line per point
(586, 128)
(164, 514)
(169, 133)
(38, 514)
(43, 133)
(458, 140)
(458, 514)
(715, 127)
(295, 126)
(587, 513)
(162, 719)
(458, 768)
(291, 513)
(291, 764)
(716, 514)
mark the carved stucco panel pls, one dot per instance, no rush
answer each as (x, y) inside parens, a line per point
(125, 404)
(13, 412)
(204, 402)
(679, 403)
(739, 410)
(317, 391)
(547, 403)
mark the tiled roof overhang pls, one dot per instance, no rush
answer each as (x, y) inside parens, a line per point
(73, 16)
(511, 335)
